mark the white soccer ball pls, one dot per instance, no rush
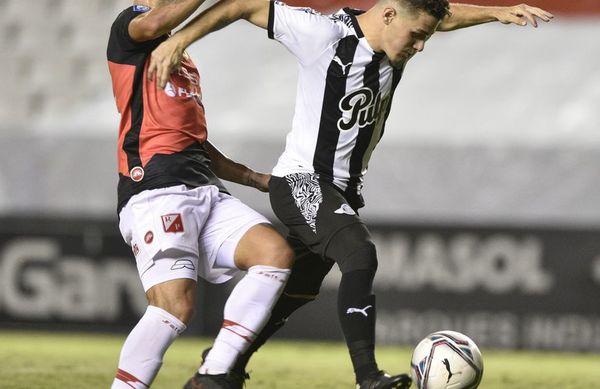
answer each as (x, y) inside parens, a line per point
(447, 360)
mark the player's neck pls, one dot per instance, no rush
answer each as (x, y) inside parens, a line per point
(370, 27)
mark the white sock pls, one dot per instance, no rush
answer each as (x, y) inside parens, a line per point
(144, 348)
(247, 310)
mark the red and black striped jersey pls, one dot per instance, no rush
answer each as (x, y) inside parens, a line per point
(162, 132)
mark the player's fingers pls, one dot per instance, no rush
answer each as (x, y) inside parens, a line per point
(540, 13)
(151, 69)
(514, 18)
(163, 76)
(528, 16)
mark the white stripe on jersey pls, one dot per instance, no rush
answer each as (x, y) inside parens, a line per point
(343, 97)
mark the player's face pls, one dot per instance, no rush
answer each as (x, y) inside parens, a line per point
(404, 35)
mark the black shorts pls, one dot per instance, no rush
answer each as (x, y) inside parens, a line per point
(313, 210)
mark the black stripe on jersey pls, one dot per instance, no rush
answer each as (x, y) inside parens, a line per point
(396, 77)
(335, 90)
(271, 24)
(371, 81)
(352, 13)
(131, 143)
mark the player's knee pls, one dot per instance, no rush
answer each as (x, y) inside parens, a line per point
(182, 306)
(363, 258)
(359, 256)
(353, 249)
(278, 254)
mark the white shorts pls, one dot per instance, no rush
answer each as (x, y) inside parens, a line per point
(177, 232)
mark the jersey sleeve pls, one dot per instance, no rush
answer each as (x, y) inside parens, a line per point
(303, 31)
(121, 32)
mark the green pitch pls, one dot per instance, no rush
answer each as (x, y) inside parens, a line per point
(30, 360)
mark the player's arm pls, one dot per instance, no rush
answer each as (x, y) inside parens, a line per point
(161, 19)
(467, 15)
(229, 170)
(167, 56)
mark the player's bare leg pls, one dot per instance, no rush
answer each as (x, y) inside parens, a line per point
(170, 309)
(267, 257)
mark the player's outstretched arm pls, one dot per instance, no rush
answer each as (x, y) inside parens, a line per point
(229, 170)
(167, 56)
(161, 19)
(466, 15)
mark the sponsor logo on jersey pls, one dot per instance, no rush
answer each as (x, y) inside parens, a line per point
(361, 107)
(149, 237)
(170, 90)
(137, 174)
(345, 67)
(345, 209)
(193, 78)
(172, 223)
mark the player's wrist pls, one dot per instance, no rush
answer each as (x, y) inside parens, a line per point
(496, 14)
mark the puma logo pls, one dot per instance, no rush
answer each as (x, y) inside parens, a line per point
(337, 60)
(359, 310)
(446, 363)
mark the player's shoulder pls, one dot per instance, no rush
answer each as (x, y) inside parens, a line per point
(128, 14)
(347, 18)
(336, 24)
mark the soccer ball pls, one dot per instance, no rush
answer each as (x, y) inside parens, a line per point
(447, 360)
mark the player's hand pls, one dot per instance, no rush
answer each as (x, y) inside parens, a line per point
(164, 60)
(259, 181)
(522, 14)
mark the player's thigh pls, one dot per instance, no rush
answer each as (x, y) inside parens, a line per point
(313, 211)
(263, 245)
(237, 237)
(308, 272)
(162, 227)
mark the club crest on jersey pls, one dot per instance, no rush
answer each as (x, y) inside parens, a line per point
(361, 107)
(172, 223)
(137, 174)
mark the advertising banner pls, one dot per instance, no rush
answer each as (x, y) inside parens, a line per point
(508, 287)
(512, 288)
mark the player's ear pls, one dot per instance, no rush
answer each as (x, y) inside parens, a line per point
(388, 15)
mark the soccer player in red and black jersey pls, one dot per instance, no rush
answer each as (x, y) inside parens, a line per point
(175, 213)
(350, 64)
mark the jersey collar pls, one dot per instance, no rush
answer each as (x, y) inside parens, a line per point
(353, 13)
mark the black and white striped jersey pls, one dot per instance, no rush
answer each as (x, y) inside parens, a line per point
(344, 94)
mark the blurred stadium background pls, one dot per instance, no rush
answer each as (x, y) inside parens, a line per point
(483, 195)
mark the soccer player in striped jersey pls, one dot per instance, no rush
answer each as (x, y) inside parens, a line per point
(350, 64)
(176, 214)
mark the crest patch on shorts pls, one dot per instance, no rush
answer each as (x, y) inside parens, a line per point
(173, 222)
(149, 237)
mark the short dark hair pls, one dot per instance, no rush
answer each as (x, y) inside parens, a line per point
(439, 9)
